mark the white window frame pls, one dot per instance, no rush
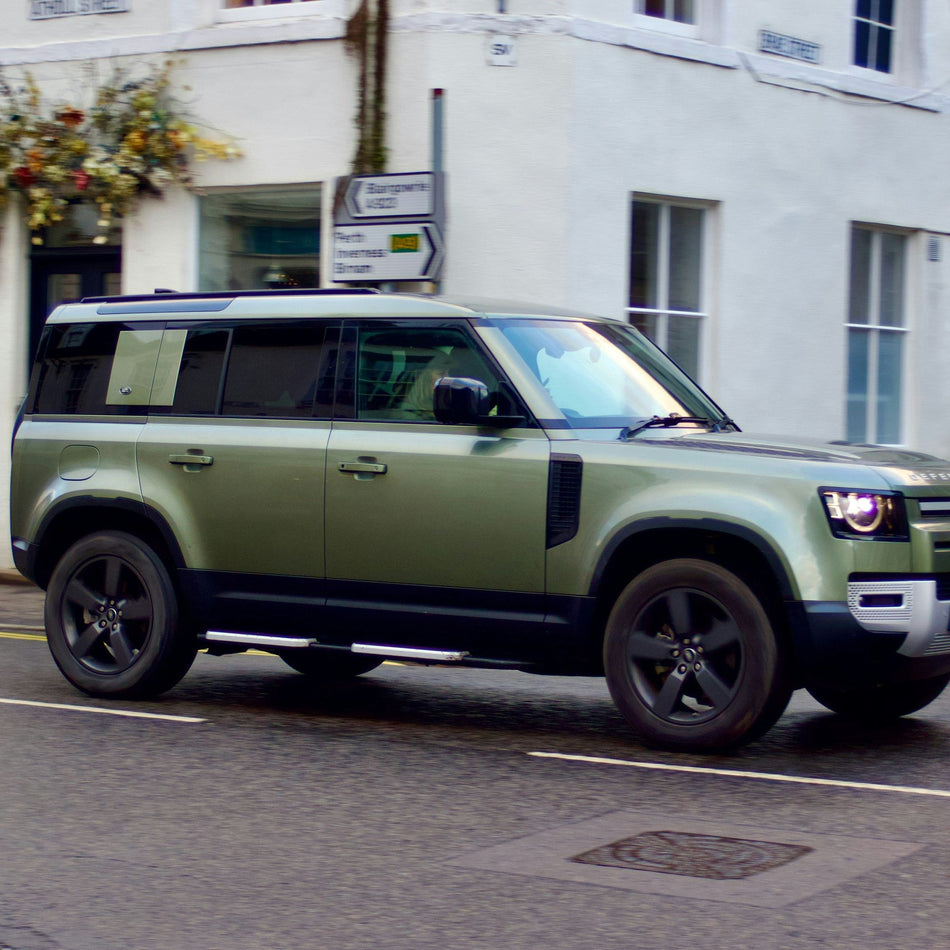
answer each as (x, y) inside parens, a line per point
(264, 10)
(874, 328)
(662, 312)
(657, 24)
(891, 28)
(908, 59)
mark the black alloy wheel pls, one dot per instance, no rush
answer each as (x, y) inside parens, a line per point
(691, 658)
(112, 618)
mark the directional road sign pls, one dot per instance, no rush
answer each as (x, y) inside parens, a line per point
(391, 196)
(399, 250)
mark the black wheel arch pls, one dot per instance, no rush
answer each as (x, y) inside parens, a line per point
(641, 545)
(77, 516)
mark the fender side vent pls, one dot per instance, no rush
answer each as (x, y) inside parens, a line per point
(565, 474)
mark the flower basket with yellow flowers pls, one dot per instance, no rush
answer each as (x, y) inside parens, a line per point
(133, 140)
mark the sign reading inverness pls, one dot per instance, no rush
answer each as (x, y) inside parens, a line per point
(50, 9)
(382, 252)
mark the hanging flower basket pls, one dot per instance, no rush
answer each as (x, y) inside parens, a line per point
(133, 140)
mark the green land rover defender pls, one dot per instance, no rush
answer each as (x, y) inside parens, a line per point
(345, 477)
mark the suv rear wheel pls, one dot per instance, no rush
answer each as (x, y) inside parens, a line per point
(112, 618)
(691, 658)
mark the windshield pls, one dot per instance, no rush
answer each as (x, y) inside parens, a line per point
(605, 375)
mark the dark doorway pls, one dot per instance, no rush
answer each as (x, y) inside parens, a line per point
(61, 274)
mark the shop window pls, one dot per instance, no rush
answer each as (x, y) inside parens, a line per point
(874, 34)
(876, 333)
(666, 278)
(260, 239)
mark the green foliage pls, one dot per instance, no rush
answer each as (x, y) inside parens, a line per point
(367, 39)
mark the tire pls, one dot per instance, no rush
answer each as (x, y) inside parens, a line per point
(112, 619)
(880, 703)
(691, 658)
(329, 665)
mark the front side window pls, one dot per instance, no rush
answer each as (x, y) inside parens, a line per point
(604, 375)
(398, 367)
(666, 285)
(260, 238)
(876, 331)
(874, 34)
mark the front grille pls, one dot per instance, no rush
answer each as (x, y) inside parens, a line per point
(935, 508)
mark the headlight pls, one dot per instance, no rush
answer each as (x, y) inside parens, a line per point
(863, 514)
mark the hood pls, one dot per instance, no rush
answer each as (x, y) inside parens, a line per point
(900, 466)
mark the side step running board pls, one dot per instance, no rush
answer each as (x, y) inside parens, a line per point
(411, 653)
(260, 639)
(275, 641)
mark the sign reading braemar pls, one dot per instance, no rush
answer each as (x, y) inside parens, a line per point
(382, 252)
(391, 196)
(50, 9)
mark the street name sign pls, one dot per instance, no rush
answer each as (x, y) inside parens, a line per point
(399, 250)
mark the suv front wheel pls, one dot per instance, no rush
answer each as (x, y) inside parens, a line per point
(112, 618)
(691, 658)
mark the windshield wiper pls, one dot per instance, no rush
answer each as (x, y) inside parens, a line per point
(675, 419)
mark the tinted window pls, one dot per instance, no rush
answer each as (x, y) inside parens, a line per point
(399, 367)
(199, 377)
(75, 370)
(275, 370)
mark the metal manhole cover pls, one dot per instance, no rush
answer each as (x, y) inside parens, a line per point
(692, 855)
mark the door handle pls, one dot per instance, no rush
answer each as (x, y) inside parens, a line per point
(187, 460)
(363, 468)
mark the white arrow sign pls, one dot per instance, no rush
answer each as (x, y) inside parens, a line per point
(382, 252)
(391, 196)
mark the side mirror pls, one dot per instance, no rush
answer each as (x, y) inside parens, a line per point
(460, 401)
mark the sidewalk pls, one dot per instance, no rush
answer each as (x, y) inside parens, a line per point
(21, 604)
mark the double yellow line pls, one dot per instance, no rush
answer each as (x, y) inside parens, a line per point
(21, 635)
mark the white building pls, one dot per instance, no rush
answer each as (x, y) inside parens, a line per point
(762, 186)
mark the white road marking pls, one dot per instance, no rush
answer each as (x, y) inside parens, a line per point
(131, 714)
(759, 776)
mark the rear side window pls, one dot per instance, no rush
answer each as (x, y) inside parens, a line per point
(272, 371)
(276, 370)
(96, 368)
(199, 376)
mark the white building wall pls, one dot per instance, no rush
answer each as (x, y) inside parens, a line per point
(543, 157)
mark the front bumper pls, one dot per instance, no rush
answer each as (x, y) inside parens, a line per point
(911, 607)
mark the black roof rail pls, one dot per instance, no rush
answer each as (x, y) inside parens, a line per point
(232, 294)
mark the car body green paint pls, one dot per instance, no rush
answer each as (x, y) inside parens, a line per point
(428, 520)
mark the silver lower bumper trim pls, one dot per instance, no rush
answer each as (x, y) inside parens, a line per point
(901, 606)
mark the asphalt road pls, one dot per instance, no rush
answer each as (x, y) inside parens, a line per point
(419, 808)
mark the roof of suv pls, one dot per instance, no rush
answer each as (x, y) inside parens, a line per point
(295, 303)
